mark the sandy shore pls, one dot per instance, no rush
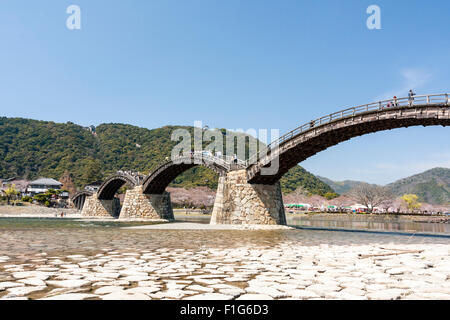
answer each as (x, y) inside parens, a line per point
(35, 211)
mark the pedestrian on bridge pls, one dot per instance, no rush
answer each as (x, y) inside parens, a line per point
(395, 101)
(411, 95)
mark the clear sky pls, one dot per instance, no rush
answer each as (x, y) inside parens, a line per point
(232, 64)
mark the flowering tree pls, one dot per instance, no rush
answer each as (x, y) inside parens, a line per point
(411, 202)
(10, 192)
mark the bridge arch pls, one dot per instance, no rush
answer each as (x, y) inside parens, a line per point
(79, 198)
(157, 181)
(114, 182)
(318, 135)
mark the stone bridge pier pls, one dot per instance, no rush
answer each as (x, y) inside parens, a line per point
(94, 207)
(138, 205)
(239, 202)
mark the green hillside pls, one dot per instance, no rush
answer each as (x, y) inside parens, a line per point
(31, 148)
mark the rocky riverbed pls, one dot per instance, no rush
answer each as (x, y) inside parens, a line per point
(93, 262)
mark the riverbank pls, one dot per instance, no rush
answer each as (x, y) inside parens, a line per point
(36, 211)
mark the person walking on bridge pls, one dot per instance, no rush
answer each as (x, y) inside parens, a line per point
(411, 95)
(395, 101)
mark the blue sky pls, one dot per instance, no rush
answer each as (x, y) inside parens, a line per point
(232, 64)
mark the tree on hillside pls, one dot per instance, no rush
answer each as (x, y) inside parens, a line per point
(10, 192)
(370, 195)
(411, 201)
(66, 180)
(92, 171)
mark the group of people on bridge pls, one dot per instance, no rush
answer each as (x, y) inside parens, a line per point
(411, 95)
(393, 103)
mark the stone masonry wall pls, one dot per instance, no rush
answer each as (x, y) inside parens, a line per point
(238, 202)
(93, 207)
(143, 206)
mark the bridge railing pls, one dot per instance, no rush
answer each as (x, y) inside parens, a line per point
(430, 99)
(207, 156)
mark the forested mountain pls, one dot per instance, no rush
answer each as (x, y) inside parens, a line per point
(31, 148)
(432, 186)
(341, 187)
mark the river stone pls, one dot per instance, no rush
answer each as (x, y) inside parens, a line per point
(200, 288)
(170, 293)
(251, 296)
(33, 282)
(144, 290)
(9, 284)
(23, 291)
(68, 283)
(272, 292)
(71, 296)
(235, 292)
(303, 294)
(210, 296)
(33, 274)
(387, 294)
(122, 295)
(135, 278)
(108, 289)
(396, 271)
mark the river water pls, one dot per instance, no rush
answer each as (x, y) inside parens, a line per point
(24, 237)
(65, 258)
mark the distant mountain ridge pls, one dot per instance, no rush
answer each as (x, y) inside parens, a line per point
(432, 186)
(341, 187)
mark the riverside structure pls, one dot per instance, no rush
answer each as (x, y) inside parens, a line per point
(246, 193)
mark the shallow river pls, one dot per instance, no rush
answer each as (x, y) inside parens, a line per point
(72, 259)
(23, 237)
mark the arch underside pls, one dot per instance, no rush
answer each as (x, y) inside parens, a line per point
(304, 146)
(109, 188)
(157, 182)
(79, 198)
(79, 194)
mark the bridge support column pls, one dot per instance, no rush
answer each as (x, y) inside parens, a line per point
(94, 207)
(138, 205)
(238, 202)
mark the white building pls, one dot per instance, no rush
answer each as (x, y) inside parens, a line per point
(42, 185)
(94, 186)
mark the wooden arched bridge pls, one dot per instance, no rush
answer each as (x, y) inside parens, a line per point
(246, 187)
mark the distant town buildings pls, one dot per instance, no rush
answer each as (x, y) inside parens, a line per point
(19, 184)
(94, 186)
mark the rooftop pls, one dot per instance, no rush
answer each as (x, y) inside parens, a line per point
(46, 181)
